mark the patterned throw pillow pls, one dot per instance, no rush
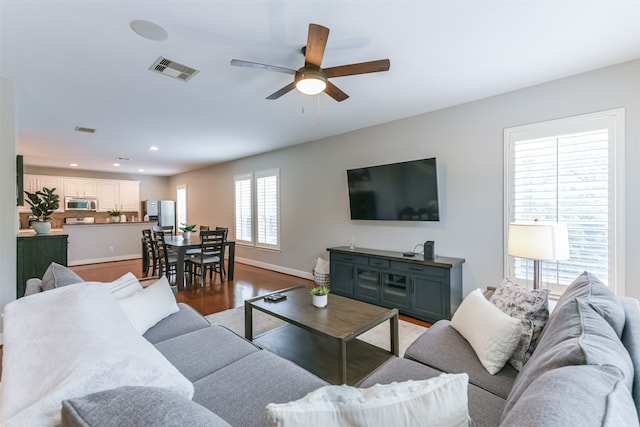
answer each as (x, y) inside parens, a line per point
(531, 307)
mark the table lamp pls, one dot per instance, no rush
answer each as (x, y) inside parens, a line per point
(539, 241)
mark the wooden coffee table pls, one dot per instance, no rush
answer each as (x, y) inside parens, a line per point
(324, 340)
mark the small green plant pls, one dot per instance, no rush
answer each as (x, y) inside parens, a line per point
(319, 290)
(114, 212)
(43, 203)
(188, 227)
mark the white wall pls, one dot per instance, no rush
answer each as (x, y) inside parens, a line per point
(8, 210)
(468, 143)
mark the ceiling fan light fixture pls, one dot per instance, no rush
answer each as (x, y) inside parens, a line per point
(311, 82)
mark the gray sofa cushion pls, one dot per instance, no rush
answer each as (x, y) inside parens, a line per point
(184, 321)
(575, 335)
(199, 353)
(584, 395)
(240, 392)
(599, 296)
(57, 276)
(485, 408)
(136, 406)
(631, 341)
(443, 348)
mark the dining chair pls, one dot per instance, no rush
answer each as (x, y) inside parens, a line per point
(226, 233)
(150, 253)
(167, 264)
(196, 251)
(210, 257)
(164, 228)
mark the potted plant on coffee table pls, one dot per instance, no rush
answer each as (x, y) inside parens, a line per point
(115, 215)
(43, 203)
(320, 295)
(187, 229)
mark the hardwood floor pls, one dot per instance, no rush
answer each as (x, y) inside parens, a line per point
(249, 281)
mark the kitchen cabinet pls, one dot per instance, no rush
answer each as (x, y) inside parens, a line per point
(33, 183)
(120, 195)
(34, 254)
(80, 187)
(425, 289)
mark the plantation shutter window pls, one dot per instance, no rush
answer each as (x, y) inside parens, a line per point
(569, 171)
(267, 206)
(243, 208)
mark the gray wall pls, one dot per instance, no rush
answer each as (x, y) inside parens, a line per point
(468, 143)
(8, 210)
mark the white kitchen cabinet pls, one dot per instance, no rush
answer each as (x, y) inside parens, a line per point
(33, 183)
(80, 187)
(120, 195)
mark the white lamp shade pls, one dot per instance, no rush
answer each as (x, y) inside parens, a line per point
(311, 85)
(539, 241)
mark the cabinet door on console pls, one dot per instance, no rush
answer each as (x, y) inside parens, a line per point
(396, 290)
(367, 284)
(431, 294)
(341, 282)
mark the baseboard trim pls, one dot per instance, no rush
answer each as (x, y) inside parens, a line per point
(100, 260)
(278, 268)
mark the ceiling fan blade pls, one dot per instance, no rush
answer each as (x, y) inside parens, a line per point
(241, 63)
(277, 94)
(360, 68)
(333, 91)
(316, 42)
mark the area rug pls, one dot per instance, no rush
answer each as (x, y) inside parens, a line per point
(379, 336)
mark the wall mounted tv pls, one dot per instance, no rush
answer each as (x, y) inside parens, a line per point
(406, 191)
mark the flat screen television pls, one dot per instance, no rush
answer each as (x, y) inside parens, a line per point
(405, 191)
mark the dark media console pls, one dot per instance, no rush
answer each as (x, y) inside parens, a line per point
(425, 289)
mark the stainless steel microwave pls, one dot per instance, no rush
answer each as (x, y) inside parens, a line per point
(80, 204)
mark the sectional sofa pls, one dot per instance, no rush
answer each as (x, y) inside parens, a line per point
(582, 371)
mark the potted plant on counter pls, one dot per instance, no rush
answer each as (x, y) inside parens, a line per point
(115, 215)
(319, 294)
(43, 203)
(187, 229)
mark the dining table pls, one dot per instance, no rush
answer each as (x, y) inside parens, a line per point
(180, 245)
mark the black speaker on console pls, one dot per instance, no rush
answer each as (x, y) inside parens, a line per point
(429, 249)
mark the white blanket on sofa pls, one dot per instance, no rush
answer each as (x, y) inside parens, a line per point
(69, 342)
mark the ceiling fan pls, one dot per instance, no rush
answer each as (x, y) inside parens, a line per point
(312, 79)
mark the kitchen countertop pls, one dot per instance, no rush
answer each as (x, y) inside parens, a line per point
(28, 232)
(113, 223)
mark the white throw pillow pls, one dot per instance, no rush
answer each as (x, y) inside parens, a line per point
(493, 334)
(150, 305)
(439, 401)
(125, 286)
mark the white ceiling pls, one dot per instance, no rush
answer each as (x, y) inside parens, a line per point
(77, 63)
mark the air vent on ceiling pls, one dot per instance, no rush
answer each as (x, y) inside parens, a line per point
(173, 69)
(84, 129)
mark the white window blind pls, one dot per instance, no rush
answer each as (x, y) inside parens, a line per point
(244, 222)
(565, 171)
(267, 207)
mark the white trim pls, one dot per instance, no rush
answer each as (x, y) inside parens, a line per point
(265, 174)
(277, 268)
(617, 276)
(101, 260)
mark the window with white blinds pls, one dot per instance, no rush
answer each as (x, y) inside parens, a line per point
(570, 170)
(258, 196)
(267, 204)
(244, 224)
(181, 204)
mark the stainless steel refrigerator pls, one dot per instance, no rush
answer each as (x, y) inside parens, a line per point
(163, 211)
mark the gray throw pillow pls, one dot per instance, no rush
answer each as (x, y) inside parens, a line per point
(599, 297)
(137, 406)
(58, 276)
(531, 307)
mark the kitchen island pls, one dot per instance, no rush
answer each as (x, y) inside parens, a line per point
(105, 242)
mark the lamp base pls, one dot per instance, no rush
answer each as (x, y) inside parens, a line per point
(537, 273)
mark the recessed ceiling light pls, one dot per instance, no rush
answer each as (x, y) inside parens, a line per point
(74, 165)
(149, 30)
(116, 164)
(140, 170)
(153, 148)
